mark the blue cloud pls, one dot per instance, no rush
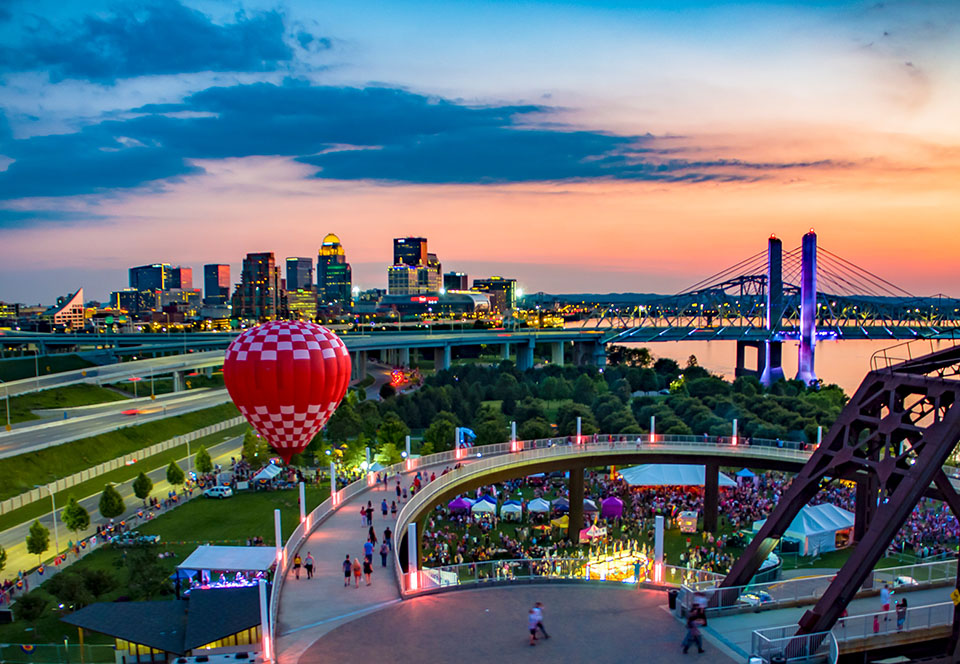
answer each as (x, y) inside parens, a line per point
(10, 218)
(159, 37)
(378, 134)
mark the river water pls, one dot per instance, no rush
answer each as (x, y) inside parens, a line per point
(842, 362)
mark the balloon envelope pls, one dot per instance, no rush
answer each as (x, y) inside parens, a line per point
(287, 378)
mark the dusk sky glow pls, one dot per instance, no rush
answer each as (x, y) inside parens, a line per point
(577, 146)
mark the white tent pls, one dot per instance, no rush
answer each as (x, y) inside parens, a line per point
(538, 505)
(230, 558)
(483, 507)
(511, 511)
(376, 467)
(816, 526)
(268, 473)
(668, 474)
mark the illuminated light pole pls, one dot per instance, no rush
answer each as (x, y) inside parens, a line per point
(333, 482)
(734, 431)
(658, 550)
(578, 429)
(653, 428)
(303, 503)
(264, 625)
(412, 564)
(408, 447)
(278, 534)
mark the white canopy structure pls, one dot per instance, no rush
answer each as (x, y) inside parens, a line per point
(817, 527)
(231, 558)
(267, 473)
(483, 507)
(538, 505)
(511, 511)
(667, 474)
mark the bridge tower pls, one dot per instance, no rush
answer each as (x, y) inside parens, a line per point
(772, 367)
(808, 308)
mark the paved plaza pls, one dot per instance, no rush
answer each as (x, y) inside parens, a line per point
(586, 624)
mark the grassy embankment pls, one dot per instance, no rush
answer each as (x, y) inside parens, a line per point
(26, 367)
(71, 396)
(229, 521)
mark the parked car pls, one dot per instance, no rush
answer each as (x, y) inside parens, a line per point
(218, 492)
(134, 538)
(904, 581)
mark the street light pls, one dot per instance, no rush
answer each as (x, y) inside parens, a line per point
(53, 501)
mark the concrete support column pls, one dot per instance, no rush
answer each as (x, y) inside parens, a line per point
(504, 352)
(404, 357)
(808, 309)
(598, 356)
(556, 355)
(711, 497)
(525, 355)
(178, 381)
(442, 357)
(576, 505)
(362, 364)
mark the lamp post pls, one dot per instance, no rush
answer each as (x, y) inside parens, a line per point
(56, 531)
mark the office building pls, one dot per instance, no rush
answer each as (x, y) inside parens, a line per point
(334, 276)
(216, 285)
(502, 292)
(455, 281)
(410, 251)
(151, 277)
(299, 274)
(68, 312)
(181, 278)
(402, 280)
(259, 295)
(302, 303)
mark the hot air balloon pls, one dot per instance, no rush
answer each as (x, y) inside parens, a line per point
(287, 378)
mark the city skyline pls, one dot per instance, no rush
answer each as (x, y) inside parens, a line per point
(648, 144)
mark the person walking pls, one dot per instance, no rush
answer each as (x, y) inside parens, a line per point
(372, 536)
(901, 613)
(532, 626)
(308, 565)
(368, 550)
(369, 513)
(384, 551)
(538, 609)
(368, 569)
(347, 569)
(363, 516)
(357, 570)
(398, 488)
(388, 537)
(383, 508)
(695, 620)
(296, 566)
(393, 509)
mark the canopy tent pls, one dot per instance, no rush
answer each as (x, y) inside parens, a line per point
(562, 522)
(230, 558)
(589, 505)
(665, 474)
(593, 532)
(483, 507)
(513, 501)
(267, 473)
(487, 499)
(611, 507)
(817, 527)
(376, 467)
(511, 511)
(560, 504)
(538, 505)
(745, 472)
(459, 505)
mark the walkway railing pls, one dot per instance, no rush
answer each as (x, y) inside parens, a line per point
(775, 594)
(869, 625)
(612, 570)
(781, 642)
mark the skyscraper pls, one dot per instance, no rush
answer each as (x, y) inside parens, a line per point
(259, 295)
(455, 281)
(216, 284)
(410, 251)
(181, 277)
(503, 292)
(151, 277)
(334, 276)
(299, 273)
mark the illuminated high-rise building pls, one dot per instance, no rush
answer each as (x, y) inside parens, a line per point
(502, 292)
(259, 295)
(415, 271)
(299, 273)
(410, 251)
(455, 281)
(151, 277)
(180, 278)
(334, 276)
(216, 284)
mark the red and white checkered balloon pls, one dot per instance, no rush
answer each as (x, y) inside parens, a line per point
(287, 378)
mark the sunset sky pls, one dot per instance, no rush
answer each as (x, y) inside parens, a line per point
(578, 146)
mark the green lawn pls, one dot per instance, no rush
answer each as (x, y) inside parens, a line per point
(70, 396)
(233, 520)
(22, 472)
(26, 367)
(95, 485)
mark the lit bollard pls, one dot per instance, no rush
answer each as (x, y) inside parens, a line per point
(303, 503)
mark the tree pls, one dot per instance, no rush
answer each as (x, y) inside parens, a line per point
(202, 461)
(491, 432)
(69, 588)
(175, 474)
(392, 430)
(440, 434)
(148, 578)
(255, 450)
(111, 502)
(584, 390)
(387, 391)
(38, 539)
(389, 455)
(344, 423)
(75, 517)
(3, 558)
(534, 429)
(142, 486)
(29, 607)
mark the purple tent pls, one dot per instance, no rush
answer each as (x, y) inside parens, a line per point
(611, 507)
(459, 505)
